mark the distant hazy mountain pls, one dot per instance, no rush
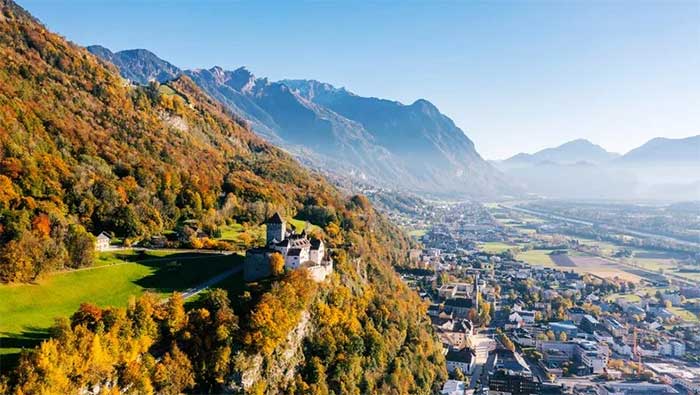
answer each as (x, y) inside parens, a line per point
(575, 151)
(138, 65)
(427, 143)
(667, 169)
(665, 150)
(414, 147)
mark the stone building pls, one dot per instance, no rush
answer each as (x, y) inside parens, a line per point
(297, 249)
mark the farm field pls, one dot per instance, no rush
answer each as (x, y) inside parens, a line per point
(578, 262)
(28, 310)
(604, 247)
(562, 260)
(537, 257)
(495, 247)
(603, 268)
(663, 263)
(653, 263)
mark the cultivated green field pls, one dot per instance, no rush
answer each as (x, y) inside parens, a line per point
(494, 247)
(537, 257)
(604, 247)
(632, 298)
(28, 310)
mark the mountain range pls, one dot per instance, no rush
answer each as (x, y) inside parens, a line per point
(413, 147)
(662, 168)
(575, 151)
(665, 150)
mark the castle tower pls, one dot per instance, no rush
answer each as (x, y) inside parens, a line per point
(276, 228)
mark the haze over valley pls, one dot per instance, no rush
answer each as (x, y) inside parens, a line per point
(170, 226)
(662, 169)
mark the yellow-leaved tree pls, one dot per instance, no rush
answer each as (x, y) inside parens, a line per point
(276, 264)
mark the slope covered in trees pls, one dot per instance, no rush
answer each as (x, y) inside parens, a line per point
(82, 151)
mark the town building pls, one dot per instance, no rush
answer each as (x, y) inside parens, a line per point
(687, 377)
(590, 357)
(567, 327)
(636, 388)
(512, 375)
(673, 348)
(455, 387)
(589, 324)
(462, 359)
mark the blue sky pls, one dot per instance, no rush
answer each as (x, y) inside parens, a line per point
(515, 76)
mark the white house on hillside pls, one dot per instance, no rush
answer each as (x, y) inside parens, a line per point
(102, 242)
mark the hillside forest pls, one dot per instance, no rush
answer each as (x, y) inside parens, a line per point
(82, 151)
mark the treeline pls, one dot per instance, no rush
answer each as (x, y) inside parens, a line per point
(148, 347)
(82, 152)
(90, 153)
(369, 334)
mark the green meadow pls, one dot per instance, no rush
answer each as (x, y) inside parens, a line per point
(495, 247)
(28, 310)
(537, 257)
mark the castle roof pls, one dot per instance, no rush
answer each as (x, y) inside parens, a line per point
(316, 244)
(294, 252)
(275, 219)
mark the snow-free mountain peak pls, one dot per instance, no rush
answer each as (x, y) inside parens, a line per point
(413, 147)
(579, 150)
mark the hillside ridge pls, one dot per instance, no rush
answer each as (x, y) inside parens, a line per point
(82, 151)
(340, 132)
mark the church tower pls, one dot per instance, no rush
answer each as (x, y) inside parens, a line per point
(276, 228)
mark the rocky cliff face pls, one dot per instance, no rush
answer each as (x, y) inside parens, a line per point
(277, 370)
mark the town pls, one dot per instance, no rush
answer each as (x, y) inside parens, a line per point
(523, 307)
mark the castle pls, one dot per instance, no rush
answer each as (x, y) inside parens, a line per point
(297, 249)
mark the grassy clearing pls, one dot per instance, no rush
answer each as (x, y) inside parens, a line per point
(684, 314)
(495, 247)
(632, 298)
(300, 225)
(237, 233)
(417, 232)
(537, 257)
(654, 264)
(605, 248)
(27, 310)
